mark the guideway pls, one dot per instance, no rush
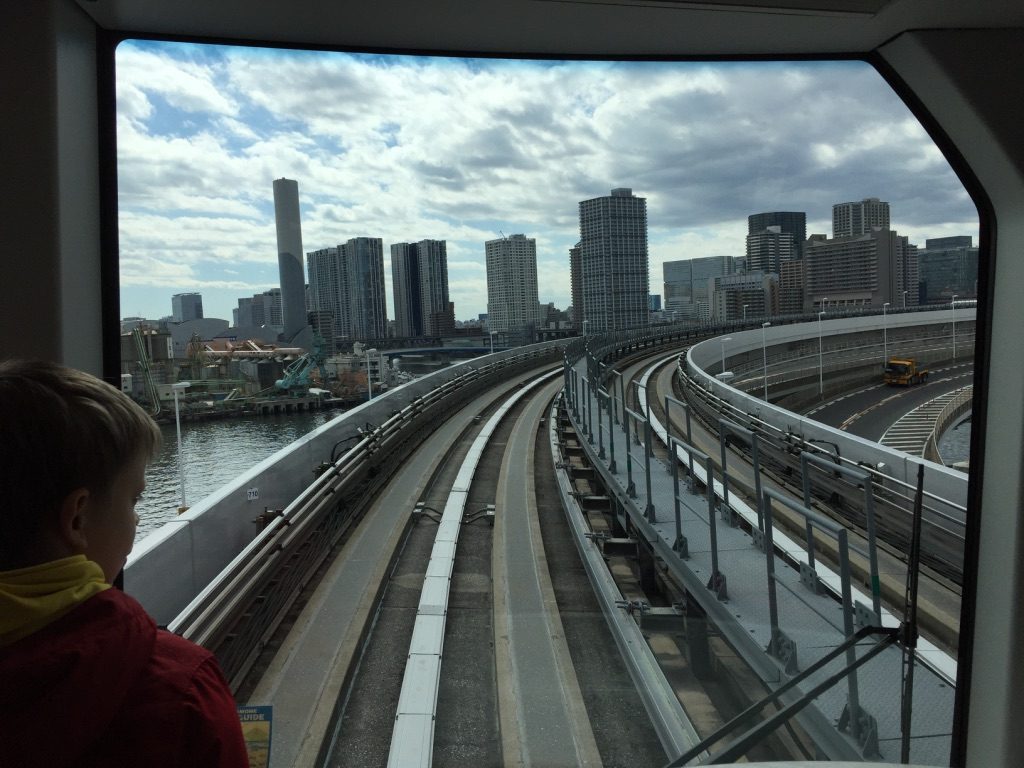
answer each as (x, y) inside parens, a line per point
(727, 571)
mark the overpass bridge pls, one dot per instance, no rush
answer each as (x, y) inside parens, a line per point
(225, 559)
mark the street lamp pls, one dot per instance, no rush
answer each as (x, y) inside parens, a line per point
(723, 340)
(905, 299)
(885, 334)
(369, 377)
(492, 341)
(179, 387)
(952, 307)
(764, 352)
(745, 312)
(824, 303)
(821, 368)
(585, 328)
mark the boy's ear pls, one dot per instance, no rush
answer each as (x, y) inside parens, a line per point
(73, 510)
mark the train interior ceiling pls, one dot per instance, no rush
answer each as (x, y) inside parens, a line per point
(957, 65)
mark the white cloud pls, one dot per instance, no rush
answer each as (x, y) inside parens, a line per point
(406, 149)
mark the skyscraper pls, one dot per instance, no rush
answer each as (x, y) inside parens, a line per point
(512, 303)
(686, 283)
(186, 306)
(851, 219)
(289, 256)
(405, 281)
(947, 266)
(419, 274)
(793, 222)
(613, 261)
(364, 262)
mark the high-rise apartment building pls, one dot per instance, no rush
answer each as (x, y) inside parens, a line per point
(405, 281)
(364, 261)
(613, 261)
(512, 302)
(861, 271)
(576, 285)
(793, 222)
(852, 219)
(186, 306)
(792, 277)
(289, 256)
(436, 308)
(328, 290)
(948, 266)
(768, 248)
(419, 274)
(348, 282)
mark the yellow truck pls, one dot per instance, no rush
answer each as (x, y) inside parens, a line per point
(904, 371)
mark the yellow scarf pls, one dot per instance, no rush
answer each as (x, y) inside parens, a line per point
(31, 598)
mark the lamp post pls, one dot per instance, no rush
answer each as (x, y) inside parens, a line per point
(369, 377)
(952, 307)
(492, 341)
(764, 352)
(745, 312)
(179, 387)
(824, 303)
(723, 340)
(905, 299)
(821, 367)
(885, 334)
(585, 328)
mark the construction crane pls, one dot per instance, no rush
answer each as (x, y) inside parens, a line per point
(297, 374)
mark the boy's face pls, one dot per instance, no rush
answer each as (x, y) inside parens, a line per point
(109, 525)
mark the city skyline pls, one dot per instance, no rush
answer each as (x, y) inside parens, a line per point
(491, 146)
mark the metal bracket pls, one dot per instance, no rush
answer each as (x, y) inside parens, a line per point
(864, 616)
(717, 584)
(783, 648)
(486, 512)
(681, 547)
(865, 730)
(758, 538)
(810, 579)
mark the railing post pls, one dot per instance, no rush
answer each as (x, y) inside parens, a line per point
(716, 583)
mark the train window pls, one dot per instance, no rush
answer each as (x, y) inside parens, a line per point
(794, 216)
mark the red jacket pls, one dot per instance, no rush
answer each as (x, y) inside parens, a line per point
(102, 686)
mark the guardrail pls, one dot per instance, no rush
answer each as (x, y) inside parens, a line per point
(237, 612)
(952, 411)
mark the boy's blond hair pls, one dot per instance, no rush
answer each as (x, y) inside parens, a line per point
(60, 429)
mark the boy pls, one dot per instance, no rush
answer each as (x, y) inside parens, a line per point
(86, 678)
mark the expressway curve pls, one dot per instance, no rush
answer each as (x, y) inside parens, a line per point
(939, 597)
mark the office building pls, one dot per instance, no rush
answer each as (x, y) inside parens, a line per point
(791, 222)
(289, 256)
(861, 271)
(654, 302)
(613, 261)
(742, 296)
(186, 306)
(768, 248)
(686, 284)
(947, 267)
(512, 303)
(852, 219)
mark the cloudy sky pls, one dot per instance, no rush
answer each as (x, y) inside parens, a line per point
(407, 148)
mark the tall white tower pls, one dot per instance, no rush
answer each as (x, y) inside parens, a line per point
(289, 256)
